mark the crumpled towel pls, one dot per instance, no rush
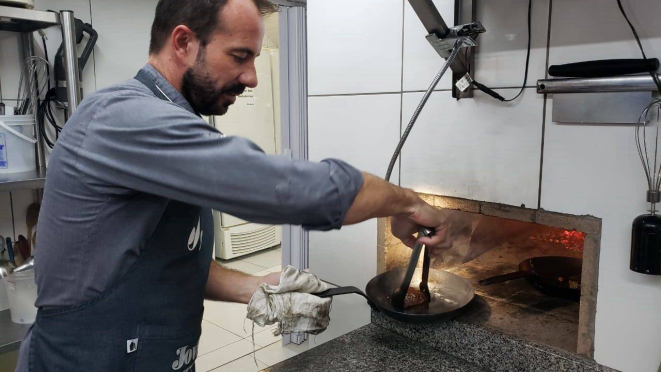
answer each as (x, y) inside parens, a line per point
(291, 304)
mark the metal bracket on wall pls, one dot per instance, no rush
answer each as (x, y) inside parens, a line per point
(435, 24)
(464, 10)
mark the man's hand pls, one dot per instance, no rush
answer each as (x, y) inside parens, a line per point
(378, 198)
(405, 226)
(271, 279)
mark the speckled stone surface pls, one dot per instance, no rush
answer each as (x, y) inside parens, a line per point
(374, 349)
(487, 348)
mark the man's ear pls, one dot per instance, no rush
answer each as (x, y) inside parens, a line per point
(185, 45)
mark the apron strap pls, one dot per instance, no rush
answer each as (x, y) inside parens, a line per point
(145, 79)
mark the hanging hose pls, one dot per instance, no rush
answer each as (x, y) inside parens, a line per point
(428, 93)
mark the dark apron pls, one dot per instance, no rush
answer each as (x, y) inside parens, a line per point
(151, 319)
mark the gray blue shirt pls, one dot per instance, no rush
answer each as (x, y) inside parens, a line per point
(125, 152)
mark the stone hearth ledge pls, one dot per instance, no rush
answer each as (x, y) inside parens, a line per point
(489, 349)
(373, 349)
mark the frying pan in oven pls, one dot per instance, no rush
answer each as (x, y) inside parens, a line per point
(449, 294)
(552, 275)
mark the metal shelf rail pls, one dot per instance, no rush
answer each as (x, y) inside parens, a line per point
(26, 21)
(629, 83)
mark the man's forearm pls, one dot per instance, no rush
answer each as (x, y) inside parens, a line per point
(379, 198)
(231, 285)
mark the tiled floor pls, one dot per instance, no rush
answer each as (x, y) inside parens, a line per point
(226, 343)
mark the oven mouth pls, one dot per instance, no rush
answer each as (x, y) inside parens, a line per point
(550, 261)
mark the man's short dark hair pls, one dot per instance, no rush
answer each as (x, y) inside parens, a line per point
(201, 16)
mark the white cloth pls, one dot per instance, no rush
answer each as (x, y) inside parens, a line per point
(291, 304)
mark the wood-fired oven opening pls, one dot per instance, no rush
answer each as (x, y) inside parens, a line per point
(527, 275)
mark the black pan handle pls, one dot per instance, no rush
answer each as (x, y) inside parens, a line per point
(605, 68)
(346, 290)
(503, 278)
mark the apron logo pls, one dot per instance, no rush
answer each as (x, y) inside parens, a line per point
(185, 355)
(195, 238)
(131, 345)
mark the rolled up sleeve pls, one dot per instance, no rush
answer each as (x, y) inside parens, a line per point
(170, 152)
(346, 182)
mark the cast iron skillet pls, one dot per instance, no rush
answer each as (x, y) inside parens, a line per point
(449, 294)
(552, 275)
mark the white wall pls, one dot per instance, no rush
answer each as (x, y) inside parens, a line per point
(365, 55)
(599, 167)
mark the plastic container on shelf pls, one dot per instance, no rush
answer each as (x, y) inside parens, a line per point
(4, 300)
(22, 294)
(17, 144)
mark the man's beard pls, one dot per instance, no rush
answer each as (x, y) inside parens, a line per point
(200, 91)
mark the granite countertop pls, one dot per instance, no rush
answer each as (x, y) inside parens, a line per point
(373, 348)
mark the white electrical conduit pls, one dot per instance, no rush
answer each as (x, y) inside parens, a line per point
(398, 150)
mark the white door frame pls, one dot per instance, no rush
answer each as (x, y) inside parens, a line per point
(294, 122)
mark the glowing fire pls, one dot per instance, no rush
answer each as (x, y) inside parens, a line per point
(568, 239)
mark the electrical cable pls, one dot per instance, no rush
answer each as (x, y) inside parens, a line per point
(43, 41)
(655, 77)
(525, 75)
(494, 94)
(40, 121)
(45, 109)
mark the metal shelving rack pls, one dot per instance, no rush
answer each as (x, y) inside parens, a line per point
(26, 21)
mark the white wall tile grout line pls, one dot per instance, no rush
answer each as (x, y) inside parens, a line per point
(401, 97)
(403, 92)
(544, 108)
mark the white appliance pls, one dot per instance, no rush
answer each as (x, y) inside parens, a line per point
(253, 116)
(235, 237)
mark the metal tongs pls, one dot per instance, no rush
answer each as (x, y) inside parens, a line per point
(399, 295)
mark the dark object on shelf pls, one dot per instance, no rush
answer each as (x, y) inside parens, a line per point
(605, 68)
(555, 276)
(60, 74)
(23, 246)
(646, 245)
(10, 251)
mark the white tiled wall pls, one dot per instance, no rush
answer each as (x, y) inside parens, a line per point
(596, 170)
(421, 62)
(361, 130)
(354, 46)
(595, 29)
(501, 55)
(475, 148)
(124, 29)
(482, 149)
